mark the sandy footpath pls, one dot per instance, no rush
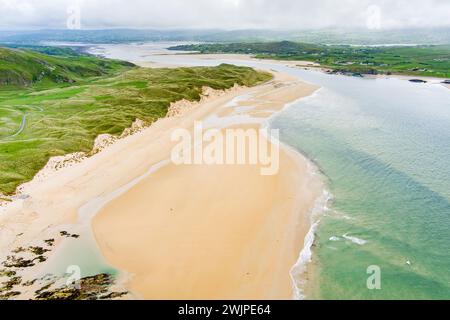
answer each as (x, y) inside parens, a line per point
(185, 231)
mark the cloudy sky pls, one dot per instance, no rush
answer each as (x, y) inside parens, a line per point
(226, 14)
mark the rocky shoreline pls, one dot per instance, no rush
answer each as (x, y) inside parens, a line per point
(17, 283)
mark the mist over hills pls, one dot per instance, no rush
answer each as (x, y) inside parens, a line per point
(429, 36)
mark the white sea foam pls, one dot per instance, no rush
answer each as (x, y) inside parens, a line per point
(321, 206)
(334, 239)
(355, 240)
(302, 263)
(299, 269)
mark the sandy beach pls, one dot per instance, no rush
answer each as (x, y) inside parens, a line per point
(183, 232)
(214, 232)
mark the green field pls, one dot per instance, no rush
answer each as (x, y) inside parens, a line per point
(38, 123)
(433, 61)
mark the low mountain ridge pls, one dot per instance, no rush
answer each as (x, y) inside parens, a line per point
(23, 68)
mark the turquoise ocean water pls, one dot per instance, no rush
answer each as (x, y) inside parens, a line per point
(383, 147)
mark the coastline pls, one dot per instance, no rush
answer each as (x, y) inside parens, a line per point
(304, 65)
(216, 233)
(53, 203)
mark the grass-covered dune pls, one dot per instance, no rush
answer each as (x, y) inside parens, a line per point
(38, 124)
(21, 68)
(408, 60)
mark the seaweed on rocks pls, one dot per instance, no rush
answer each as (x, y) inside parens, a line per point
(50, 242)
(89, 288)
(68, 235)
(9, 295)
(39, 251)
(7, 273)
(14, 262)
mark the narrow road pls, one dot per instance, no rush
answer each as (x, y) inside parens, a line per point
(22, 125)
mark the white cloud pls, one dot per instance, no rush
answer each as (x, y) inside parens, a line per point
(225, 14)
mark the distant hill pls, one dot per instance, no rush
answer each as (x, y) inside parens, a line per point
(23, 68)
(425, 60)
(324, 36)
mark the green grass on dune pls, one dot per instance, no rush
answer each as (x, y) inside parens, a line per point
(63, 120)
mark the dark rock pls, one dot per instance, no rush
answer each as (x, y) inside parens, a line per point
(68, 235)
(49, 277)
(90, 288)
(40, 259)
(50, 242)
(9, 295)
(19, 250)
(13, 262)
(113, 295)
(417, 81)
(38, 250)
(9, 285)
(62, 294)
(7, 273)
(44, 288)
(64, 234)
(29, 283)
